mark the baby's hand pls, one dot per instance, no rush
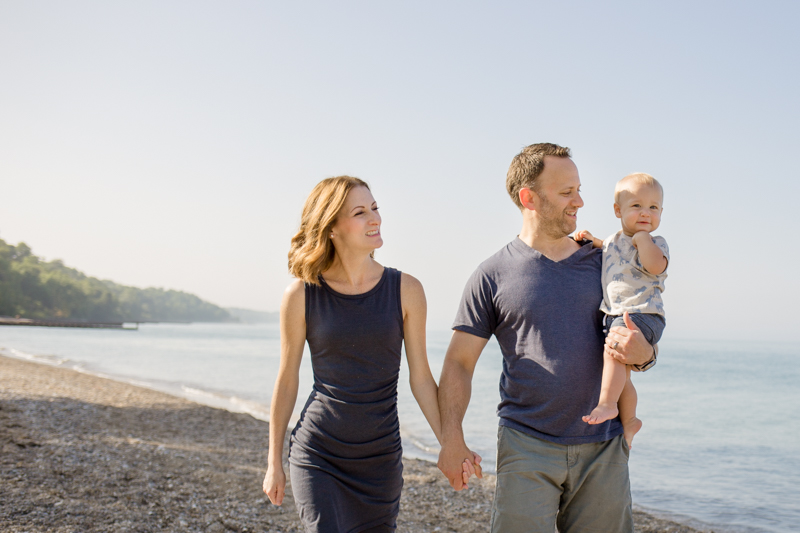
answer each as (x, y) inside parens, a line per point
(585, 235)
(638, 236)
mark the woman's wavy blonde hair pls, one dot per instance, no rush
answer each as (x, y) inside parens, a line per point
(312, 251)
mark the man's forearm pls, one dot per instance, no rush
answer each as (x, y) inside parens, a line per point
(455, 390)
(650, 363)
(454, 393)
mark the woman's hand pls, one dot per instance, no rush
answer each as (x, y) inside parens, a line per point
(471, 468)
(275, 484)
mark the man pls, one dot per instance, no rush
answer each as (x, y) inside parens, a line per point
(540, 296)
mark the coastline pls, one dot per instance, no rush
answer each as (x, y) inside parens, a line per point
(82, 452)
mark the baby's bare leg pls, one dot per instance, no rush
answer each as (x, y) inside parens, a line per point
(627, 410)
(614, 376)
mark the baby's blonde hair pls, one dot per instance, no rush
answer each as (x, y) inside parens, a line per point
(637, 177)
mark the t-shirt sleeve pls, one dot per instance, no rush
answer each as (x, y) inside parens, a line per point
(476, 314)
(662, 243)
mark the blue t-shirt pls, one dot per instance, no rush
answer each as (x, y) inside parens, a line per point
(546, 318)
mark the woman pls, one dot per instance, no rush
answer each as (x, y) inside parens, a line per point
(345, 456)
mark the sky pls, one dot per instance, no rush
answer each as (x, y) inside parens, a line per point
(172, 144)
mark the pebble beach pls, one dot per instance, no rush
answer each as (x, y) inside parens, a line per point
(81, 453)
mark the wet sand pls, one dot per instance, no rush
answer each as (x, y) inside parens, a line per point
(82, 453)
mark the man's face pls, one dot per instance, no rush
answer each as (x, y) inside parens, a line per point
(559, 198)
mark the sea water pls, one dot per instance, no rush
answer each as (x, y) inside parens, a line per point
(719, 445)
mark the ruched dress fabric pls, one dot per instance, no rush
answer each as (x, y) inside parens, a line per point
(345, 457)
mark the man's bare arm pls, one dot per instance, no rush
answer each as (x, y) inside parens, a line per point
(455, 389)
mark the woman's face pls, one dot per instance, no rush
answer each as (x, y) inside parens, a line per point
(358, 226)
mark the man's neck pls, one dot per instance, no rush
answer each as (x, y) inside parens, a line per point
(554, 247)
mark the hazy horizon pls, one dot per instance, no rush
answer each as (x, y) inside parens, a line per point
(172, 145)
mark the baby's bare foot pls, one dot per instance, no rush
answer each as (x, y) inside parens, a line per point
(601, 413)
(630, 428)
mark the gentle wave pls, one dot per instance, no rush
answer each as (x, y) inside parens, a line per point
(52, 360)
(217, 400)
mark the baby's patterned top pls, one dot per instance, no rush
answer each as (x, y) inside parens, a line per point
(627, 286)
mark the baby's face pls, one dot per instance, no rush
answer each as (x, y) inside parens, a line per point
(639, 208)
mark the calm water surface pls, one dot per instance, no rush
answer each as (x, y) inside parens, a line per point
(719, 443)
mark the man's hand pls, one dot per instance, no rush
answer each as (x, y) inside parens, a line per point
(458, 463)
(628, 346)
(455, 459)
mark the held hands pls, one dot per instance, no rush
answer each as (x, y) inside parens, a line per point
(471, 468)
(458, 464)
(628, 346)
(275, 484)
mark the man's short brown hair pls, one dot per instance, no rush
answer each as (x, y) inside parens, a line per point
(528, 165)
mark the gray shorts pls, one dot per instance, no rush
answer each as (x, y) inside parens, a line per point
(578, 488)
(651, 325)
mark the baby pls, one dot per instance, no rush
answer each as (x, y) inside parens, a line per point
(634, 270)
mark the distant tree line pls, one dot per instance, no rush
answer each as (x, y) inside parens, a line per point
(33, 288)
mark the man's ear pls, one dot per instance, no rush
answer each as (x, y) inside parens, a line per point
(528, 198)
(617, 210)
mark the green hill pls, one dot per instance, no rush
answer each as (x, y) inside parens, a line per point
(33, 288)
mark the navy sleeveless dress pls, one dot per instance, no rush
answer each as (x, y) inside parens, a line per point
(345, 457)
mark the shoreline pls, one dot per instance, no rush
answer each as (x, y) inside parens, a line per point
(85, 452)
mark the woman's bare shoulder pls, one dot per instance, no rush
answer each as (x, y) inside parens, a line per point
(294, 296)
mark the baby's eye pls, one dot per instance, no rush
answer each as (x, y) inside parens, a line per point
(636, 205)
